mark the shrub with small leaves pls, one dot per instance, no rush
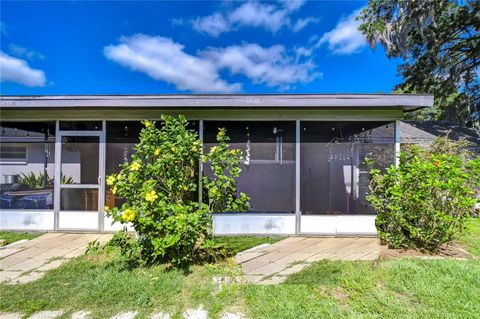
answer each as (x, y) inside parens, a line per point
(160, 184)
(221, 188)
(425, 201)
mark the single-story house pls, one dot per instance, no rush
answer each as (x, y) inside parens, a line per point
(304, 168)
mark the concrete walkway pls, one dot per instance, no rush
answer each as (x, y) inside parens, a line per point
(271, 264)
(28, 261)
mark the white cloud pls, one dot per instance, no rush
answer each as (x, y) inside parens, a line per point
(214, 24)
(25, 53)
(345, 38)
(292, 5)
(270, 66)
(165, 60)
(3, 28)
(17, 70)
(252, 14)
(302, 52)
(255, 14)
(177, 21)
(302, 23)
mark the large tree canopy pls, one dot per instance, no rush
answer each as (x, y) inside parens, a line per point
(439, 44)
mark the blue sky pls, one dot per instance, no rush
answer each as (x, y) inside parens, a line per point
(94, 47)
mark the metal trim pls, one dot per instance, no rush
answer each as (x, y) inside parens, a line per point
(298, 213)
(396, 150)
(102, 176)
(80, 186)
(57, 179)
(200, 164)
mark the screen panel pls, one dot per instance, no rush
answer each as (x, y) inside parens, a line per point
(333, 174)
(268, 171)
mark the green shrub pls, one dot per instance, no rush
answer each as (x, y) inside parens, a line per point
(221, 194)
(159, 184)
(425, 202)
(41, 180)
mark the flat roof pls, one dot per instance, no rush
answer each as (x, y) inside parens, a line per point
(407, 102)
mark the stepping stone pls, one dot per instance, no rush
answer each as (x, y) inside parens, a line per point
(5, 252)
(47, 314)
(32, 276)
(292, 269)
(10, 315)
(81, 314)
(198, 313)
(51, 265)
(253, 278)
(274, 280)
(235, 315)
(161, 315)
(125, 315)
(6, 275)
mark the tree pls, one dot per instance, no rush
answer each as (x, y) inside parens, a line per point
(439, 44)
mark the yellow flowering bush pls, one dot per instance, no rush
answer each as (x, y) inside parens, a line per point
(128, 215)
(135, 166)
(151, 196)
(159, 185)
(110, 180)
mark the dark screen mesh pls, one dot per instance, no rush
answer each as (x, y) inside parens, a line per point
(334, 177)
(268, 174)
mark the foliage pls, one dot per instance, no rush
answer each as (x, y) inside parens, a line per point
(41, 180)
(222, 187)
(11, 236)
(438, 42)
(130, 251)
(160, 187)
(92, 247)
(426, 201)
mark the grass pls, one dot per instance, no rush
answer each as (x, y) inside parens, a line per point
(98, 282)
(385, 288)
(239, 243)
(396, 288)
(11, 237)
(470, 239)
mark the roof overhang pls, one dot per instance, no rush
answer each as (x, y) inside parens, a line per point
(406, 102)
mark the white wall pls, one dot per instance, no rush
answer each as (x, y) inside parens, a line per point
(26, 220)
(232, 224)
(224, 224)
(338, 225)
(34, 163)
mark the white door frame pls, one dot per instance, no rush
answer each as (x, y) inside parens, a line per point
(100, 186)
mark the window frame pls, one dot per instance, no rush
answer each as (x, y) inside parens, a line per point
(13, 161)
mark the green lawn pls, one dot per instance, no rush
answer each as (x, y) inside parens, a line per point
(239, 243)
(471, 237)
(386, 288)
(12, 237)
